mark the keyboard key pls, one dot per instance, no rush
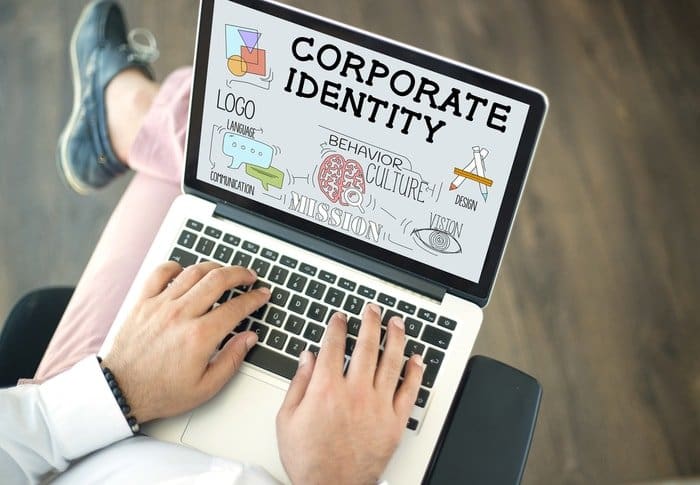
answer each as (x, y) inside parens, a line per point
(223, 253)
(289, 262)
(432, 360)
(295, 347)
(197, 226)
(413, 327)
(353, 304)
(294, 324)
(447, 323)
(435, 336)
(278, 275)
(210, 231)
(413, 347)
(260, 266)
(277, 339)
(259, 313)
(224, 297)
(279, 297)
(422, 398)
(187, 239)
(269, 254)
(204, 246)
(275, 317)
(347, 284)
(241, 259)
(314, 349)
(349, 345)
(381, 335)
(387, 300)
(298, 304)
(261, 284)
(317, 312)
(315, 289)
(272, 361)
(243, 326)
(387, 316)
(261, 329)
(313, 332)
(326, 276)
(354, 326)
(297, 282)
(366, 292)
(249, 246)
(183, 257)
(334, 297)
(231, 239)
(307, 269)
(412, 424)
(406, 307)
(426, 315)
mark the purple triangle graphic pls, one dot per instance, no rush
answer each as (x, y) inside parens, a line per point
(250, 38)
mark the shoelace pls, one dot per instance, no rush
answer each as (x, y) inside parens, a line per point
(145, 52)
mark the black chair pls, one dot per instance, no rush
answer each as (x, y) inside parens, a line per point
(485, 440)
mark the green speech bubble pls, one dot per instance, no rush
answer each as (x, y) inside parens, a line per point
(267, 176)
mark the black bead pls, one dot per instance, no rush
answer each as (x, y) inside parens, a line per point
(99, 359)
(117, 392)
(121, 401)
(131, 420)
(109, 376)
(126, 409)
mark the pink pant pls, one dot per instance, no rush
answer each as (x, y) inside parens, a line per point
(158, 159)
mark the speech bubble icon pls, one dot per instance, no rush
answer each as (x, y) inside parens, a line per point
(267, 176)
(242, 150)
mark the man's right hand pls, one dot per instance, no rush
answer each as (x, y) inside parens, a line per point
(344, 429)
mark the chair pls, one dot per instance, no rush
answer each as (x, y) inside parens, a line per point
(485, 440)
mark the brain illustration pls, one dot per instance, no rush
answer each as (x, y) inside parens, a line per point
(336, 175)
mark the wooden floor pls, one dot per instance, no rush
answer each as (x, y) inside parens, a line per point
(598, 295)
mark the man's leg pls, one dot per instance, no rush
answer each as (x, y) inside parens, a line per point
(155, 151)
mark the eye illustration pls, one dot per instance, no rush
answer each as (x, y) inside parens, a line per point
(436, 241)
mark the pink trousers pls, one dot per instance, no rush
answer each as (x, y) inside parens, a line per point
(157, 156)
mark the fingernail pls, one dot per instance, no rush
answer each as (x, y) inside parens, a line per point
(251, 340)
(253, 273)
(304, 358)
(265, 290)
(398, 321)
(418, 359)
(340, 316)
(374, 308)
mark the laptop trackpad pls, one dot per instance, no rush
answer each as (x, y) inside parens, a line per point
(239, 423)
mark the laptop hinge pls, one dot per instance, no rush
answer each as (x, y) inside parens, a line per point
(330, 250)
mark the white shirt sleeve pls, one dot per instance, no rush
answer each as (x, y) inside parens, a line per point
(44, 427)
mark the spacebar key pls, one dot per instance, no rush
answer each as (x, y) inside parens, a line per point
(272, 361)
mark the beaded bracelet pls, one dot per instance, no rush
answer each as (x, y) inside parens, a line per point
(119, 396)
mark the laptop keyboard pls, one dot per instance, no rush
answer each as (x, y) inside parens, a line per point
(302, 301)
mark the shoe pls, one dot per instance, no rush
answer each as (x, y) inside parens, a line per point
(99, 50)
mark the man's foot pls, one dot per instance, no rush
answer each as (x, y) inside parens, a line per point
(99, 51)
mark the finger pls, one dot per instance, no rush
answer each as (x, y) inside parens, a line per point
(392, 358)
(228, 360)
(159, 279)
(187, 279)
(224, 318)
(364, 357)
(199, 299)
(298, 386)
(331, 357)
(406, 395)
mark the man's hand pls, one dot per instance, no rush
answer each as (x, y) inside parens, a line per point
(343, 429)
(163, 357)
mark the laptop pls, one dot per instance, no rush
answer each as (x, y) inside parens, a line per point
(345, 168)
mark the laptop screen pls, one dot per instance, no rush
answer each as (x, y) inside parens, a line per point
(367, 142)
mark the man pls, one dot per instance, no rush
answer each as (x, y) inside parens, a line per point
(79, 423)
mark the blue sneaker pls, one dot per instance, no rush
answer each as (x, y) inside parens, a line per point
(100, 49)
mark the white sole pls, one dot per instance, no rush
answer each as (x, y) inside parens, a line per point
(62, 156)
